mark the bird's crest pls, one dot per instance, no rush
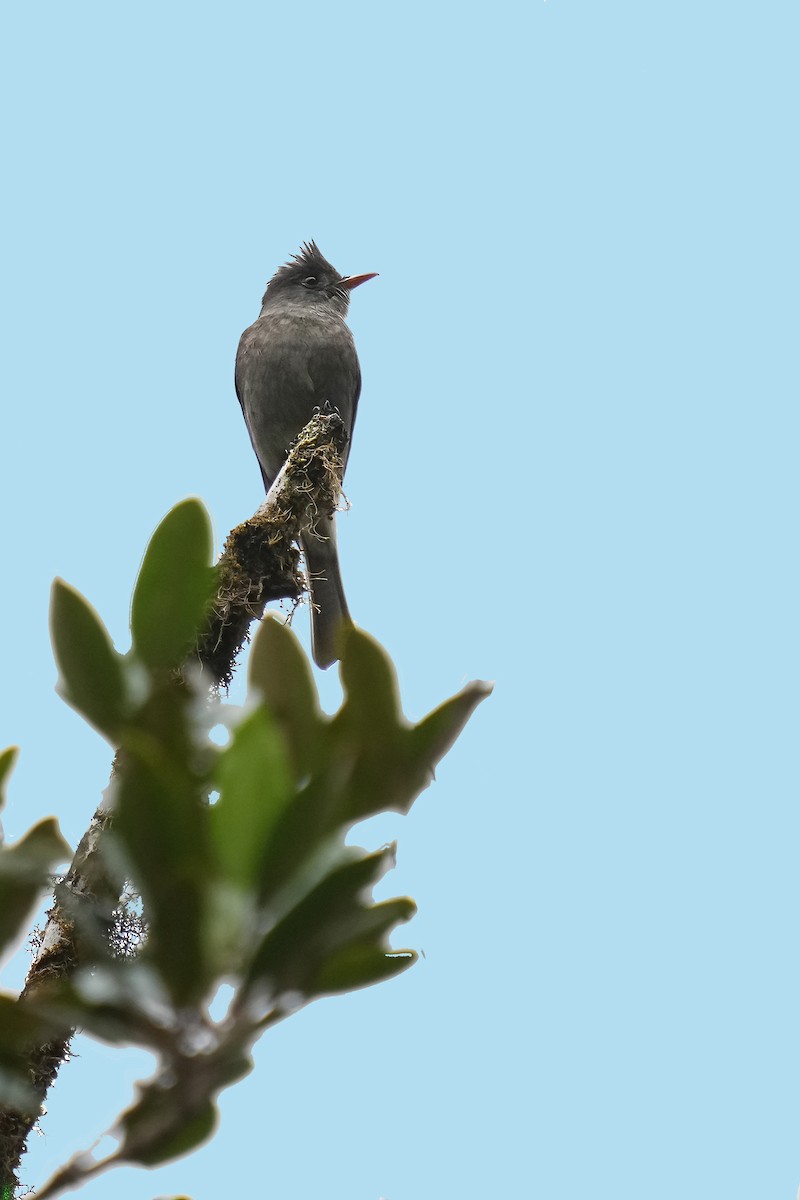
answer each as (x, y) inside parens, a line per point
(309, 261)
(310, 253)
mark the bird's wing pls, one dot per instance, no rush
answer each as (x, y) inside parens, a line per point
(356, 395)
(238, 383)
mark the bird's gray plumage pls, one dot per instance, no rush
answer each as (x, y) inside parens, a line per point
(298, 356)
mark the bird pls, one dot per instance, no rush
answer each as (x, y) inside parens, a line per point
(299, 355)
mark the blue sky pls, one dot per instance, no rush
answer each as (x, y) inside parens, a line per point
(574, 472)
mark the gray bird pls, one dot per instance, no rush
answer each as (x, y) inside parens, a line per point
(299, 355)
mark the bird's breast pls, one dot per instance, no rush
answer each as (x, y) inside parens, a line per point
(288, 364)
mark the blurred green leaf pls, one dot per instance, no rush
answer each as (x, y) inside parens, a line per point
(164, 1124)
(359, 965)
(375, 921)
(279, 670)
(388, 761)
(8, 759)
(24, 874)
(435, 734)
(175, 1111)
(358, 954)
(16, 1092)
(91, 670)
(174, 586)
(167, 1120)
(173, 1114)
(329, 916)
(367, 738)
(21, 1026)
(370, 682)
(370, 759)
(162, 825)
(259, 889)
(35, 854)
(255, 786)
(116, 1001)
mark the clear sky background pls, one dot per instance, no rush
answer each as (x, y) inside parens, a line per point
(574, 472)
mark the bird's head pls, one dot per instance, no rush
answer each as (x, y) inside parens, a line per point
(308, 279)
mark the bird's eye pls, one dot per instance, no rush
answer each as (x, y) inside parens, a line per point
(310, 281)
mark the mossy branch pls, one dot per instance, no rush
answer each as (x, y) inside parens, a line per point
(260, 560)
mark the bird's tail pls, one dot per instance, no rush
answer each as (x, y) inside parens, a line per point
(329, 612)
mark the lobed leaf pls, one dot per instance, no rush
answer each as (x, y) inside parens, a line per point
(358, 965)
(387, 761)
(370, 682)
(332, 914)
(435, 734)
(280, 673)
(370, 759)
(8, 759)
(165, 1124)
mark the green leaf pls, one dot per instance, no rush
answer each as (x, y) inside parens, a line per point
(255, 787)
(370, 682)
(162, 826)
(120, 1002)
(435, 734)
(21, 1026)
(369, 733)
(389, 761)
(279, 671)
(358, 965)
(24, 874)
(328, 917)
(165, 1124)
(8, 759)
(91, 670)
(173, 1114)
(175, 1111)
(358, 953)
(174, 586)
(370, 759)
(36, 853)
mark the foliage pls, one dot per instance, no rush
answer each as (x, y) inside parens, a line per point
(24, 873)
(238, 851)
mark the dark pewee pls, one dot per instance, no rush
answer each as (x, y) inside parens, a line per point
(299, 355)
